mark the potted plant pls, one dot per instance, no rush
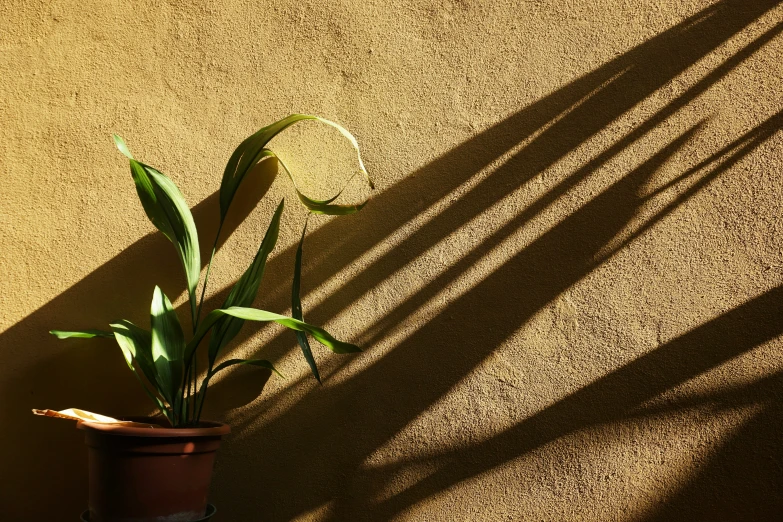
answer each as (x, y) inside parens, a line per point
(160, 468)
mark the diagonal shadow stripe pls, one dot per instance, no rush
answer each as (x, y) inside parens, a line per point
(577, 115)
(613, 397)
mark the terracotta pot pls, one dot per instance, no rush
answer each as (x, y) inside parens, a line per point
(150, 475)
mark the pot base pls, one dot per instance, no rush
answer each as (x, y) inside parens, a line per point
(211, 510)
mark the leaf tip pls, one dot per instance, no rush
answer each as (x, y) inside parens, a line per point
(315, 371)
(351, 348)
(122, 146)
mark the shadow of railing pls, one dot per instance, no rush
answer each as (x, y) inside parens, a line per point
(316, 448)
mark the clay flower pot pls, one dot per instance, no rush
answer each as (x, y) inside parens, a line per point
(145, 475)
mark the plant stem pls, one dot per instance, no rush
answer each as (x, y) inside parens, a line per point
(193, 318)
(186, 393)
(206, 276)
(185, 387)
(190, 384)
(194, 418)
(203, 395)
(153, 397)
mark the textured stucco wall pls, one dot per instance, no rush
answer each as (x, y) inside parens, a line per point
(567, 285)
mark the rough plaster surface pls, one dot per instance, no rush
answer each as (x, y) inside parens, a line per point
(567, 285)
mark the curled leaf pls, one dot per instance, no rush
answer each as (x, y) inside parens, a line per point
(252, 150)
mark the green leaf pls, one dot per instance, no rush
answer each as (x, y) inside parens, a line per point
(135, 344)
(167, 347)
(296, 308)
(80, 334)
(324, 206)
(167, 209)
(178, 213)
(254, 314)
(122, 146)
(251, 150)
(245, 290)
(321, 335)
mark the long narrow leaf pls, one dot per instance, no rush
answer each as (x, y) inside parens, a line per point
(296, 308)
(321, 335)
(135, 344)
(178, 212)
(245, 290)
(138, 343)
(80, 334)
(167, 347)
(167, 209)
(254, 314)
(325, 206)
(251, 150)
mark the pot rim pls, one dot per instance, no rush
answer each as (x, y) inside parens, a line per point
(205, 429)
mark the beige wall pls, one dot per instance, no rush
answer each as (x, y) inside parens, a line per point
(567, 285)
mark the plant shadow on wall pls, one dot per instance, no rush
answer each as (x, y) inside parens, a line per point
(323, 443)
(314, 453)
